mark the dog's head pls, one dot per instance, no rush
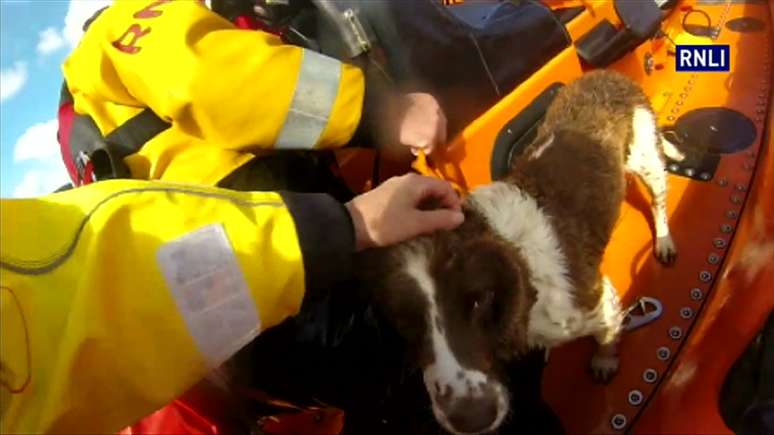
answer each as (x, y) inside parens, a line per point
(460, 300)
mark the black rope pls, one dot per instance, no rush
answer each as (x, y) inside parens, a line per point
(699, 11)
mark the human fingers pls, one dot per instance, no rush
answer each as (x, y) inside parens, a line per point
(429, 189)
(425, 222)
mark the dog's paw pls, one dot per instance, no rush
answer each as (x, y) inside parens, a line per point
(603, 367)
(665, 250)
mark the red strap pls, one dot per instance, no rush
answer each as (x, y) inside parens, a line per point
(88, 173)
(176, 418)
(66, 115)
(248, 22)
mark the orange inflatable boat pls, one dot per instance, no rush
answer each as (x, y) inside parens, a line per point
(714, 301)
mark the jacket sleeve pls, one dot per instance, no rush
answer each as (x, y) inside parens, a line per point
(237, 89)
(117, 297)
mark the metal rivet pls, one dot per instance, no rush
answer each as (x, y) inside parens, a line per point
(719, 243)
(705, 176)
(686, 313)
(687, 89)
(689, 171)
(635, 397)
(618, 421)
(675, 333)
(723, 182)
(749, 166)
(760, 110)
(697, 294)
(683, 95)
(675, 110)
(732, 214)
(705, 276)
(673, 167)
(736, 199)
(679, 102)
(650, 375)
(713, 259)
(726, 228)
(663, 353)
(670, 118)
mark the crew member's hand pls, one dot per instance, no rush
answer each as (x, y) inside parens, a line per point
(419, 122)
(402, 208)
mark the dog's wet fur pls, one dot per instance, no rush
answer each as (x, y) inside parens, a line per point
(522, 271)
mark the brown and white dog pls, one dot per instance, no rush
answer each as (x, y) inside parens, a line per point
(522, 271)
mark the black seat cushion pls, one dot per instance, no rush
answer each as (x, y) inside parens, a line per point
(641, 17)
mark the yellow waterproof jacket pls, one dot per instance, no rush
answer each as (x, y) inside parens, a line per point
(117, 297)
(228, 93)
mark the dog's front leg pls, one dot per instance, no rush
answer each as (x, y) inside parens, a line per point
(604, 362)
(645, 161)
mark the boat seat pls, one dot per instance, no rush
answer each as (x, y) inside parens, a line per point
(604, 44)
(565, 15)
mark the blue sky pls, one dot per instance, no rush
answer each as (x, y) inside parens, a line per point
(35, 38)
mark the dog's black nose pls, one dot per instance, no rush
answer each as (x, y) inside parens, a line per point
(474, 414)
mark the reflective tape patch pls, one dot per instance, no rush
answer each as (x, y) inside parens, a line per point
(316, 90)
(210, 291)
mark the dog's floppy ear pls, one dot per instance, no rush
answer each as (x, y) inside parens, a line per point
(384, 280)
(397, 297)
(493, 266)
(372, 268)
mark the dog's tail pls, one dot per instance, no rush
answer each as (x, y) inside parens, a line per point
(670, 150)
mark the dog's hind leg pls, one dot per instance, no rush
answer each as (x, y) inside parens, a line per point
(607, 319)
(645, 160)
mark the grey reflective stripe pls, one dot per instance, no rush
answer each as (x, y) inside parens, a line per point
(210, 290)
(316, 90)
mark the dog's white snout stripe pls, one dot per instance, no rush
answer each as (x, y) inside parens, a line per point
(446, 379)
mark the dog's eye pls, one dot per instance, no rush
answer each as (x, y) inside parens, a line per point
(483, 300)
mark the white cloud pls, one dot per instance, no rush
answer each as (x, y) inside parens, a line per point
(37, 182)
(39, 146)
(77, 13)
(50, 40)
(12, 80)
(37, 143)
